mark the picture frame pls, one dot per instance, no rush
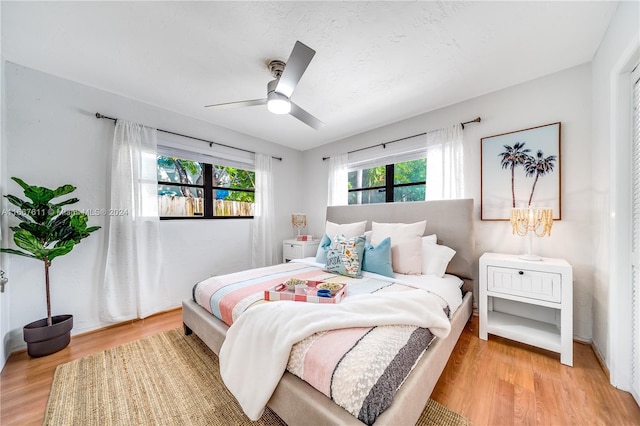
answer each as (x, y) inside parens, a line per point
(520, 169)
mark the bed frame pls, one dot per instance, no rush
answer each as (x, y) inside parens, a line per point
(298, 403)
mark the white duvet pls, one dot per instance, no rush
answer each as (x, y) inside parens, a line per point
(256, 349)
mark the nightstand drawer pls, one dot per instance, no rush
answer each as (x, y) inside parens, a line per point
(537, 285)
(292, 251)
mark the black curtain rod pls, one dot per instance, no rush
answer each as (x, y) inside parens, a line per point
(384, 144)
(211, 143)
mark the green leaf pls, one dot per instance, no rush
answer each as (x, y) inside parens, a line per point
(63, 190)
(79, 220)
(40, 232)
(69, 201)
(26, 241)
(39, 194)
(22, 217)
(60, 249)
(18, 252)
(20, 182)
(20, 203)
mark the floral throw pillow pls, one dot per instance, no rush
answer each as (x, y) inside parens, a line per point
(344, 256)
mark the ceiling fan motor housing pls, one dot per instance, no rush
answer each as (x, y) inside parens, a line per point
(277, 68)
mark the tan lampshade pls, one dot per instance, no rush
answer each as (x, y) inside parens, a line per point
(298, 220)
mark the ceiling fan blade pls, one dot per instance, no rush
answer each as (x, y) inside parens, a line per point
(305, 117)
(231, 105)
(298, 62)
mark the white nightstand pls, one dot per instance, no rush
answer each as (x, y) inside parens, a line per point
(294, 249)
(528, 301)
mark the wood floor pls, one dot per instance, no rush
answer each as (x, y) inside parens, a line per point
(495, 382)
(501, 382)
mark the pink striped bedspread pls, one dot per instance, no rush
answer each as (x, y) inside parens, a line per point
(360, 369)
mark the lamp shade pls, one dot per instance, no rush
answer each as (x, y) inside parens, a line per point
(536, 220)
(299, 220)
(531, 221)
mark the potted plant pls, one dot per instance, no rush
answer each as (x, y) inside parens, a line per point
(44, 233)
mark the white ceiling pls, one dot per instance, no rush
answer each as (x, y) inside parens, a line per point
(376, 62)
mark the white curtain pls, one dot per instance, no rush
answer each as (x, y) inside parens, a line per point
(132, 286)
(445, 175)
(338, 191)
(263, 247)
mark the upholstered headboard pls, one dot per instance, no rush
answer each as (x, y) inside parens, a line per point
(450, 220)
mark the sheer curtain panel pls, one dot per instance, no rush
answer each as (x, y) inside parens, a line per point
(132, 286)
(338, 191)
(445, 175)
(263, 247)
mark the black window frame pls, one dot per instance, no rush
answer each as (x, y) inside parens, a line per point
(389, 185)
(209, 199)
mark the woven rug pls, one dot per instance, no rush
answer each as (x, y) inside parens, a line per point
(166, 379)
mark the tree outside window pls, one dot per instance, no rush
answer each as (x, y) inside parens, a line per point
(398, 182)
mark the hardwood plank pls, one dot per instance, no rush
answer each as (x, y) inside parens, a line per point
(494, 382)
(488, 374)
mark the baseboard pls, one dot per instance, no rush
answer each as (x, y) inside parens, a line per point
(596, 352)
(23, 347)
(131, 321)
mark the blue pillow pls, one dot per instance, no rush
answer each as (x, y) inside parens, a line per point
(378, 259)
(321, 254)
(344, 256)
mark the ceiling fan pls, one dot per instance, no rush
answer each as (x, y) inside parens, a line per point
(279, 91)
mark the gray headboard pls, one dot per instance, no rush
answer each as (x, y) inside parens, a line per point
(451, 220)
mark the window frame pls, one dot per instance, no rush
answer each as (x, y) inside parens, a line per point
(208, 188)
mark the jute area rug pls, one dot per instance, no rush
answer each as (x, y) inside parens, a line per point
(166, 379)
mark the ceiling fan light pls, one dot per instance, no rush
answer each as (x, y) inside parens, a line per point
(278, 103)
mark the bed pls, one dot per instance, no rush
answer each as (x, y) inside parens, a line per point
(297, 402)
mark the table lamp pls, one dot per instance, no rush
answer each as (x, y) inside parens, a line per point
(531, 221)
(298, 220)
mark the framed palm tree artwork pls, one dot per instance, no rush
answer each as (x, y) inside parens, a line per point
(520, 169)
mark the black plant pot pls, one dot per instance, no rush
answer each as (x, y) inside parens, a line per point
(43, 339)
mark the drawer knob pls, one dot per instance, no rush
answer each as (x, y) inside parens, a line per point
(520, 272)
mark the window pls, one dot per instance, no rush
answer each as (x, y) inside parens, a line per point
(398, 182)
(193, 189)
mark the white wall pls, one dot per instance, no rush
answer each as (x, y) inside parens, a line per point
(611, 86)
(53, 138)
(564, 97)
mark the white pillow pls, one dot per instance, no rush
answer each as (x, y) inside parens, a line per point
(435, 257)
(406, 244)
(432, 239)
(349, 230)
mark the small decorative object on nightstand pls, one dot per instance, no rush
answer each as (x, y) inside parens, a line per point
(536, 300)
(294, 249)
